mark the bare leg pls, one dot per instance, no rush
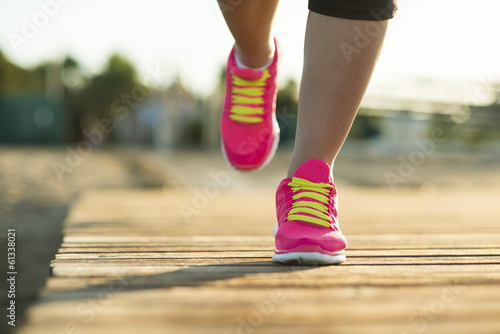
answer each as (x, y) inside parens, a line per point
(250, 22)
(333, 84)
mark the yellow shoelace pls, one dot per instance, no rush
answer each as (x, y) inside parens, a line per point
(252, 103)
(317, 191)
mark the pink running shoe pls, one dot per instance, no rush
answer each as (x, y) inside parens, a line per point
(308, 231)
(249, 130)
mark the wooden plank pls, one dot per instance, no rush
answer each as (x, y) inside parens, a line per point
(197, 254)
(264, 259)
(81, 249)
(382, 241)
(368, 272)
(458, 327)
(207, 228)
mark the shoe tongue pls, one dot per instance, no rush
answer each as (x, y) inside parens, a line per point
(247, 73)
(314, 170)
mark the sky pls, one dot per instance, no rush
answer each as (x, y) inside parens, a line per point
(450, 42)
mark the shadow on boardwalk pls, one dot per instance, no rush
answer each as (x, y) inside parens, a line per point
(200, 275)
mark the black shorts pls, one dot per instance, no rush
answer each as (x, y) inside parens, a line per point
(373, 10)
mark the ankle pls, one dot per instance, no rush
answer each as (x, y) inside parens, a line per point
(255, 58)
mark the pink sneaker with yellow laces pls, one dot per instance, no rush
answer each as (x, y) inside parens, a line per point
(249, 130)
(308, 230)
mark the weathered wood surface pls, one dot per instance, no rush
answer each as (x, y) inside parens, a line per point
(132, 262)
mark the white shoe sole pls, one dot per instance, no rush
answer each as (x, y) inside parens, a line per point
(308, 259)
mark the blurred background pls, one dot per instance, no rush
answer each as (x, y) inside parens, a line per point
(100, 94)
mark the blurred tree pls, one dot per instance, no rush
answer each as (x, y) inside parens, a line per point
(38, 76)
(113, 87)
(116, 81)
(74, 81)
(221, 84)
(288, 96)
(479, 128)
(72, 76)
(287, 105)
(88, 100)
(11, 76)
(30, 103)
(366, 127)
(14, 79)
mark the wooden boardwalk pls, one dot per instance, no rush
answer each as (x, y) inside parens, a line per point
(143, 261)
